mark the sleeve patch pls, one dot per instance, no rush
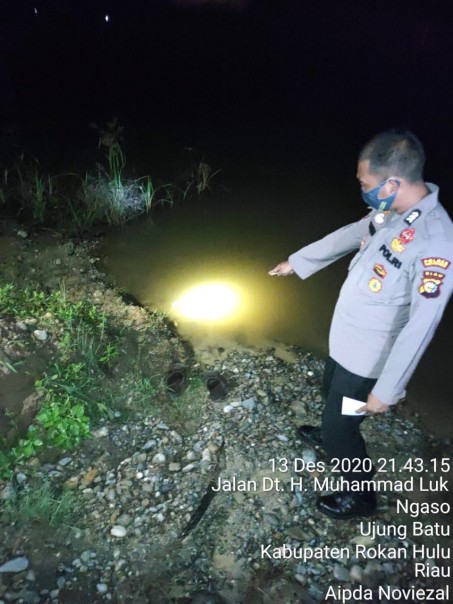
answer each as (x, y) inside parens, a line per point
(440, 262)
(431, 283)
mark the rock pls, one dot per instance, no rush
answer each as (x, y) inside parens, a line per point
(22, 234)
(118, 531)
(158, 459)
(16, 565)
(228, 409)
(89, 477)
(85, 556)
(175, 436)
(389, 568)
(249, 404)
(341, 573)
(7, 493)
(189, 467)
(65, 461)
(174, 467)
(150, 444)
(31, 576)
(101, 432)
(356, 573)
(124, 520)
(308, 455)
(40, 334)
(72, 483)
(299, 408)
(102, 588)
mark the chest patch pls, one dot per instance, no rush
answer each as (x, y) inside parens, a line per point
(397, 245)
(379, 269)
(375, 285)
(407, 235)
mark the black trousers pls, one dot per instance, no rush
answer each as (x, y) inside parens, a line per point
(341, 433)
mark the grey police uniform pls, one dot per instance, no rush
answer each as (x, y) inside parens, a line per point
(398, 285)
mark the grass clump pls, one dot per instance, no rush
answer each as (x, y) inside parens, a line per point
(39, 504)
(102, 196)
(185, 410)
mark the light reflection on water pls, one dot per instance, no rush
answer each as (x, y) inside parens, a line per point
(157, 263)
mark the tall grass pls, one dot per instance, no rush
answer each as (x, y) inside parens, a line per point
(103, 196)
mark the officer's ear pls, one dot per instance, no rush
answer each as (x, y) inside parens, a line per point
(392, 185)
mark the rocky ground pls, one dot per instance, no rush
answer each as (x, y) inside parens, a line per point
(146, 526)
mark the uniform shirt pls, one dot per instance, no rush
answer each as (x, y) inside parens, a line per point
(398, 285)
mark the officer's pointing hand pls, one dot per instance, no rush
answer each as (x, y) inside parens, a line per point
(282, 270)
(373, 405)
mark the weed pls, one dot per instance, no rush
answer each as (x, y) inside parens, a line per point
(39, 505)
(71, 396)
(139, 393)
(203, 177)
(186, 409)
(6, 366)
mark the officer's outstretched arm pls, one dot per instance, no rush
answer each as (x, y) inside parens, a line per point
(321, 253)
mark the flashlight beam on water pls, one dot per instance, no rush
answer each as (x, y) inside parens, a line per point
(208, 302)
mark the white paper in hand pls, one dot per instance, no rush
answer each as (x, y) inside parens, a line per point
(350, 406)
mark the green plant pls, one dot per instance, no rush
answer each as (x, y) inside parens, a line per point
(186, 409)
(200, 177)
(203, 177)
(26, 185)
(7, 299)
(24, 449)
(39, 504)
(70, 394)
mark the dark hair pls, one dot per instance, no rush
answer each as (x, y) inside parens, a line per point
(395, 152)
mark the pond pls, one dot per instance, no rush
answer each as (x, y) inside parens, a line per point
(231, 239)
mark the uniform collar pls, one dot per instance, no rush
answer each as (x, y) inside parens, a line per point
(427, 203)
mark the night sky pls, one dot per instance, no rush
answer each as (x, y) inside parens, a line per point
(269, 77)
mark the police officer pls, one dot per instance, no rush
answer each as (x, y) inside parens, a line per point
(398, 285)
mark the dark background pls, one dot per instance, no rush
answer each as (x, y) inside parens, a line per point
(286, 81)
(280, 94)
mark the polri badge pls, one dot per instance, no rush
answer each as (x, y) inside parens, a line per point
(431, 282)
